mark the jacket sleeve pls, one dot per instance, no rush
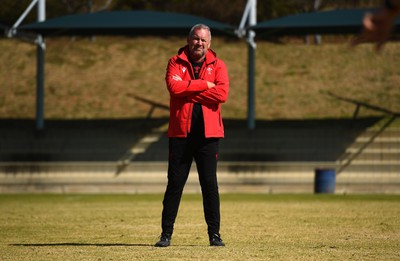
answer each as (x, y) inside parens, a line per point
(217, 94)
(185, 87)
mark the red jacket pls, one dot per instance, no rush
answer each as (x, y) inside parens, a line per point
(183, 94)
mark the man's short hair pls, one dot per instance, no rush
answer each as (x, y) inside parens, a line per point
(199, 26)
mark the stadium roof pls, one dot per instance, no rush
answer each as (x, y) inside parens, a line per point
(339, 21)
(124, 23)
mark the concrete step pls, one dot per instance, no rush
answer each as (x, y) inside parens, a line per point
(395, 138)
(375, 150)
(142, 177)
(373, 156)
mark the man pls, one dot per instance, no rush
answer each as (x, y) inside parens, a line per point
(198, 83)
(378, 26)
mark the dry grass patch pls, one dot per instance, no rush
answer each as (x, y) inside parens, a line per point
(93, 78)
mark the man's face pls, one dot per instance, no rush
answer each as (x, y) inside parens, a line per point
(199, 42)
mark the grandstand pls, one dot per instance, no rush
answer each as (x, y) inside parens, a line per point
(129, 156)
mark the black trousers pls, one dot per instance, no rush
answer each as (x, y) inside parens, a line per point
(182, 151)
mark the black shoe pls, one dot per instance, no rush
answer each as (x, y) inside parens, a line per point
(215, 240)
(165, 240)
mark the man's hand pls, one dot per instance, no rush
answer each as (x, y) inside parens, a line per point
(177, 78)
(210, 85)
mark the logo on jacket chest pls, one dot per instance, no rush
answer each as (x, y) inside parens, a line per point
(184, 69)
(209, 70)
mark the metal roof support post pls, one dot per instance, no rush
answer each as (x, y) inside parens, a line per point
(251, 103)
(13, 30)
(317, 4)
(41, 48)
(250, 16)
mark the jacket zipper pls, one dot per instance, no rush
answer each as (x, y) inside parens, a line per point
(189, 118)
(201, 73)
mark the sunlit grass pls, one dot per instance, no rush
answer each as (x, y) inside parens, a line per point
(254, 227)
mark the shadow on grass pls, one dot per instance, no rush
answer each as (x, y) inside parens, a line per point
(92, 244)
(80, 244)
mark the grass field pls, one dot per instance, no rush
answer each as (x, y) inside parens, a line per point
(254, 227)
